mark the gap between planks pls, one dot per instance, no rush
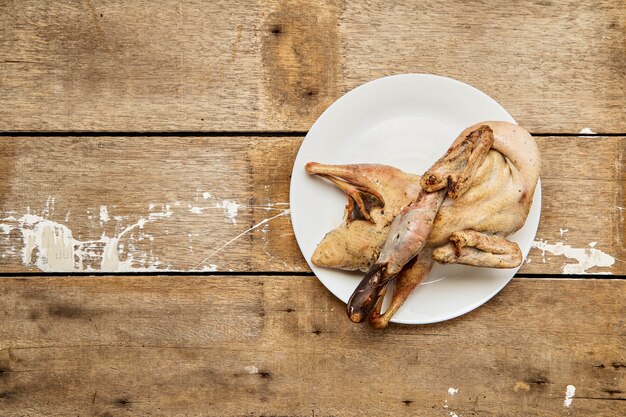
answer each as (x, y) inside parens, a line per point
(251, 133)
(269, 274)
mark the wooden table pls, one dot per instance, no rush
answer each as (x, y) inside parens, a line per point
(148, 260)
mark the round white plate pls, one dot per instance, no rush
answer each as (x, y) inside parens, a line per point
(407, 121)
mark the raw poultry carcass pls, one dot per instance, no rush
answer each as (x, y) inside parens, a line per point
(396, 224)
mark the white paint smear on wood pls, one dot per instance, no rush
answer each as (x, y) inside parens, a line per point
(586, 258)
(570, 391)
(251, 369)
(209, 268)
(52, 241)
(452, 391)
(104, 214)
(230, 208)
(166, 212)
(52, 247)
(587, 131)
(49, 207)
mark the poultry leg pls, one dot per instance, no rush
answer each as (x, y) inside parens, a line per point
(470, 247)
(407, 236)
(410, 278)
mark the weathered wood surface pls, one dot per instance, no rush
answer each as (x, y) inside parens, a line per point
(222, 203)
(228, 345)
(276, 65)
(234, 346)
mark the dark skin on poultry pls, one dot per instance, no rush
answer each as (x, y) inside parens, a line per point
(397, 224)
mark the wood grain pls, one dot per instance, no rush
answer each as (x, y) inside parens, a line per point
(170, 203)
(276, 65)
(233, 346)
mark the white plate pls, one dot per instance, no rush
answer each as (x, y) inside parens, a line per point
(407, 121)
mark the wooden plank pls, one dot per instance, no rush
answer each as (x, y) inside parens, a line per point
(276, 65)
(233, 346)
(215, 203)
(166, 203)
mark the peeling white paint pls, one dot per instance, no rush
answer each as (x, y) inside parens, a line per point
(104, 214)
(229, 206)
(453, 414)
(209, 268)
(251, 369)
(49, 207)
(231, 209)
(452, 391)
(52, 247)
(52, 241)
(587, 131)
(586, 257)
(110, 255)
(165, 213)
(570, 391)
(563, 231)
